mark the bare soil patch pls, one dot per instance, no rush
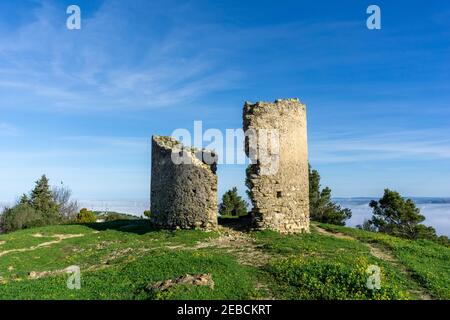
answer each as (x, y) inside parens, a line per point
(59, 238)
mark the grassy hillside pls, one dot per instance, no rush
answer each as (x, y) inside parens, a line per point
(120, 259)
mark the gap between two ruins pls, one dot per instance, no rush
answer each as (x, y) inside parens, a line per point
(184, 195)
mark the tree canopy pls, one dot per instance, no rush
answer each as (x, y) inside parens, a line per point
(42, 206)
(400, 217)
(321, 207)
(42, 200)
(233, 204)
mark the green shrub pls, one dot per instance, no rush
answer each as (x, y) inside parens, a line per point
(86, 216)
(316, 279)
(37, 209)
(148, 214)
(21, 216)
(232, 204)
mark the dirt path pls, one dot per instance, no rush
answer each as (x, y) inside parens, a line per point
(382, 254)
(333, 234)
(244, 248)
(240, 245)
(59, 238)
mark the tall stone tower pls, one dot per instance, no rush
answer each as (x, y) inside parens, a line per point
(276, 142)
(183, 194)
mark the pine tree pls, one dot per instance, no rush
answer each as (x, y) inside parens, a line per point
(42, 200)
(321, 206)
(314, 189)
(394, 215)
(233, 204)
(24, 199)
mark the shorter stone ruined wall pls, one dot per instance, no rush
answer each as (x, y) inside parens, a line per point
(278, 181)
(183, 194)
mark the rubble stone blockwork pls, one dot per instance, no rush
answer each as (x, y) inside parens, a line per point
(281, 198)
(183, 195)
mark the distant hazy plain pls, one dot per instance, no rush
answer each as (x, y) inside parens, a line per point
(436, 210)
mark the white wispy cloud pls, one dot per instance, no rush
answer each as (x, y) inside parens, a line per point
(430, 144)
(108, 64)
(113, 63)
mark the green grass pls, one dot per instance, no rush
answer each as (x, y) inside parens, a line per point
(314, 254)
(94, 247)
(119, 259)
(428, 262)
(129, 278)
(319, 279)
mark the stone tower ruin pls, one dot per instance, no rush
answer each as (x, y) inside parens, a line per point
(183, 194)
(278, 176)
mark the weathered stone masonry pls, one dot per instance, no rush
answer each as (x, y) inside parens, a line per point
(280, 200)
(182, 195)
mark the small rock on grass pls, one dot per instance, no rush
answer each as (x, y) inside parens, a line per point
(203, 279)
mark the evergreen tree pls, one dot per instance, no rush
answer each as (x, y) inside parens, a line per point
(24, 199)
(314, 190)
(42, 200)
(41, 207)
(233, 204)
(394, 215)
(321, 207)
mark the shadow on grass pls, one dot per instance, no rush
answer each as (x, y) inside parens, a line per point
(143, 226)
(242, 223)
(138, 226)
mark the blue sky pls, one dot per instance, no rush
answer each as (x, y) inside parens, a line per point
(81, 105)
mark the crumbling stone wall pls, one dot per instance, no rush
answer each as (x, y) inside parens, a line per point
(280, 197)
(183, 194)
